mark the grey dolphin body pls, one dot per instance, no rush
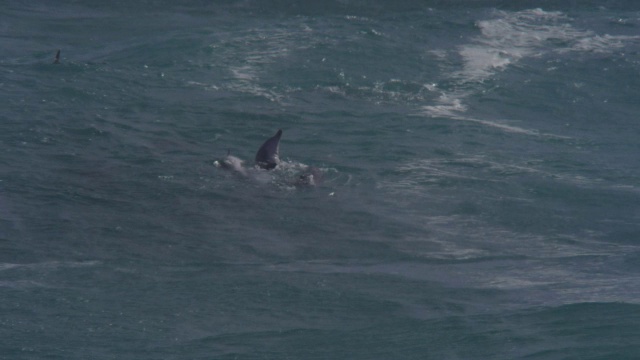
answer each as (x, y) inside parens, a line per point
(311, 177)
(232, 163)
(267, 155)
(267, 158)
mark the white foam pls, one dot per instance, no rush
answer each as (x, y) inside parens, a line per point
(451, 107)
(481, 62)
(505, 127)
(503, 41)
(254, 51)
(244, 73)
(599, 44)
(49, 265)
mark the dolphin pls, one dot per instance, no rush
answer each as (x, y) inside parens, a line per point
(267, 155)
(267, 159)
(57, 59)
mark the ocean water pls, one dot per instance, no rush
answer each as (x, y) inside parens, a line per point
(480, 195)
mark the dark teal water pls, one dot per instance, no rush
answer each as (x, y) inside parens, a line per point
(481, 193)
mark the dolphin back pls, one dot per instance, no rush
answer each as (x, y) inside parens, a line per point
(267, 155)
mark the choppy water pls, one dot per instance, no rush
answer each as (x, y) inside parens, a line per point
(481, 194)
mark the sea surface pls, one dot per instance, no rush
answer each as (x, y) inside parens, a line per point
(477, 197)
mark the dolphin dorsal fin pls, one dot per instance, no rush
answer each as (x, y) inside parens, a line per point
(267, 155)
